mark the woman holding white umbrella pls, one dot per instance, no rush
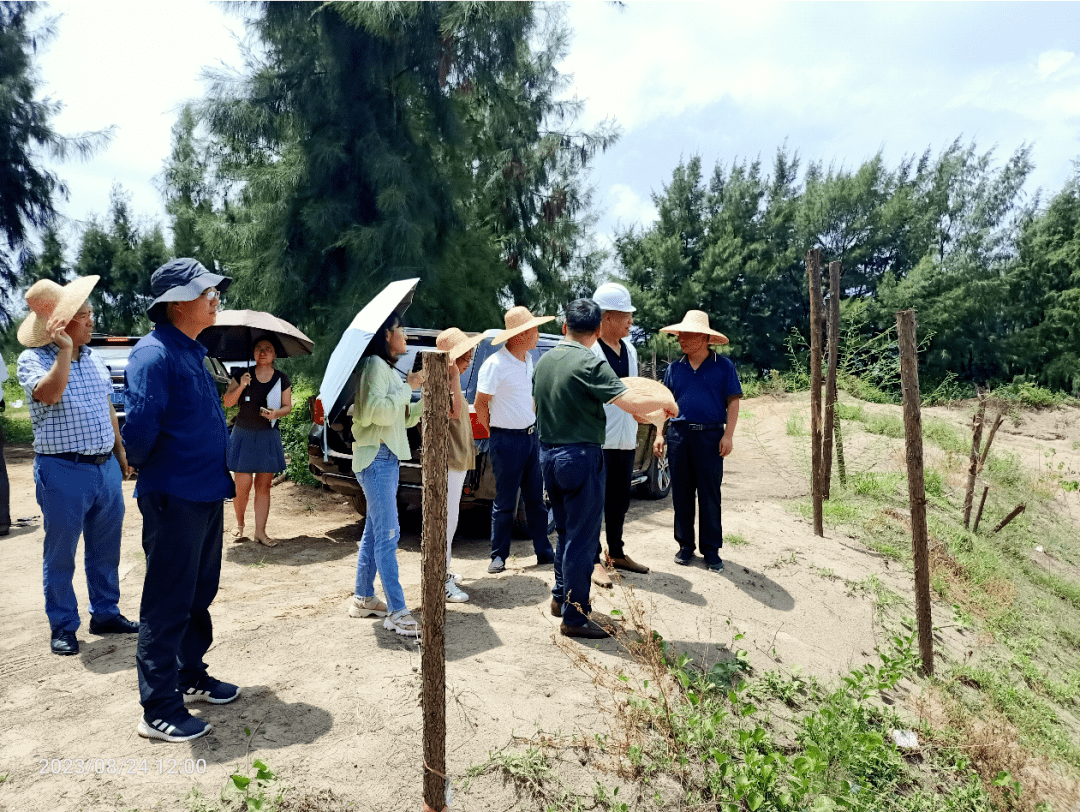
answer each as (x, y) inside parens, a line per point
(382, 411)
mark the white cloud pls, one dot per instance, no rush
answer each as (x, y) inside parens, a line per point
(1050, 61)
(627, 207)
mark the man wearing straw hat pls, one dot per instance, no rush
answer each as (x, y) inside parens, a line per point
(504, 406)
(707, 389)
(80, 460)
(572, 386)
(176, 436)
(620, 442)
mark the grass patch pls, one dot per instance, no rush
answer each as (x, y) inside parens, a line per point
(796, 426)
(886, 425)
(946, 436)
(735, 540)
(850, 411)
(17, 429)
(876, 485)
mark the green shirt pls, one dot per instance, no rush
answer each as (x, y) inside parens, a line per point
(570, 387)
(381, 413)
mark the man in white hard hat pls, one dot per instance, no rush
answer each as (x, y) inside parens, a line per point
(620, 442)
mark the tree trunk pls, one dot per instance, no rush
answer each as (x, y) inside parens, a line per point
(813, 272)
(990, 440)
(909, 378)
(435, 440)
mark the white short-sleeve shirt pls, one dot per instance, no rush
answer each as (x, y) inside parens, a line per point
(509, 382)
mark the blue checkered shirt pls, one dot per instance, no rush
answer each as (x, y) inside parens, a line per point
(80, 422)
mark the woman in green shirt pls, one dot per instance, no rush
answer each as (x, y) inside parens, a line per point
(381, 413)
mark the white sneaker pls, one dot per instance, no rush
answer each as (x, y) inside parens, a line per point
(367, 607)
(453, 592)
(402, 623)
(455, 575)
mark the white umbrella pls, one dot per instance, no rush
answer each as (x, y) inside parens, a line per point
(394, 298)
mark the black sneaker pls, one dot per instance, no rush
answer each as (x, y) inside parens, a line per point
(179, 729)
(210, 690)
(715, 566)
(684, 556)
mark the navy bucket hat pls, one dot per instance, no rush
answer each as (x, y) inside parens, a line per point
(181, 280)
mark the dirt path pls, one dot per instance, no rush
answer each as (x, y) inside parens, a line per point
(332, 702)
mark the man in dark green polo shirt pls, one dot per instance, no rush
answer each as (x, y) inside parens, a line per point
(570, 387)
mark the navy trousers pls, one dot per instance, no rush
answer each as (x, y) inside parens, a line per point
(697, 470)
(574, 476)
(515, 461)
(182, 542)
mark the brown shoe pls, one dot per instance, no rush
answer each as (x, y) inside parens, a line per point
(556, 608)
(628, 564)
(600, 576)
(590, 631)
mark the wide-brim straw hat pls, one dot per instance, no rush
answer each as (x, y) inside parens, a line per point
(650, 388)
(518, 320)
(455, 343)
(696, 321)
(48, 300)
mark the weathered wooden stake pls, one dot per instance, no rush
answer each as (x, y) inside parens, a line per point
(978, 513)
(973, 467)
(435, 436)
(909, 379)
(833, 330)
(1016, 512)
(990, 440)
(813, 272)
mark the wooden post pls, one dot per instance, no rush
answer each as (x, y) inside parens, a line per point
(973, 466)
(990, 440)
(909, 379)
(813, 272)
(978, 513)
(841, 467)
(435, 431)
(833, 325)
(1016, 512)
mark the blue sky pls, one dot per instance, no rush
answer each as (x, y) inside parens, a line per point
(836, 81)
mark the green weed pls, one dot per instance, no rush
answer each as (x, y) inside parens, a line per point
(946, 436)
(850, 411)
(876, 485)
(884, 424)
(735, 540)
(796, 426)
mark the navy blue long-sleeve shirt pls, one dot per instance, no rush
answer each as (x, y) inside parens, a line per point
(174, 430)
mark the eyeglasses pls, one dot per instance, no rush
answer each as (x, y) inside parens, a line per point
(213, 294)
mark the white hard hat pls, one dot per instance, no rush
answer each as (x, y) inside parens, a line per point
(613, 296)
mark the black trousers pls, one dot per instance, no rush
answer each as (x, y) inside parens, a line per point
(697, 470)
(182, 542)
(5, 487)
(620, 470)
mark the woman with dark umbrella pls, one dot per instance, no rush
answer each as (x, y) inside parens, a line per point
(255, 451)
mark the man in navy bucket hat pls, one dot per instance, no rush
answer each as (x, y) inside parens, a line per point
(176, 437)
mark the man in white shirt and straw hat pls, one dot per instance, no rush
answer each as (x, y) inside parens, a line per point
(504, 406)
(707, 389)
(80, 462)
(620, 442)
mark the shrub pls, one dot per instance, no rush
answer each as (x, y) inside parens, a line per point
(294, 432)
(1029, 394)
(17, 430)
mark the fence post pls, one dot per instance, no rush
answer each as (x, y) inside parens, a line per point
(813, 272)
(909, 379)
(973, 465)
(435, 431)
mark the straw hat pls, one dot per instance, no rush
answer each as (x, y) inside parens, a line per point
(696, 321)
(48, 300)
(455, 343)
(650, 388)
(518, 320)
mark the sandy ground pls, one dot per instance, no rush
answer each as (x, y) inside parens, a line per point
(333, 702)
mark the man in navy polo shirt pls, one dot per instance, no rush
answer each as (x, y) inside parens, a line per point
(176, 436)
(707, 389)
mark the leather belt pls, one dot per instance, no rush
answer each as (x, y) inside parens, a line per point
(699, 426)
(529, 430)
(88, 459)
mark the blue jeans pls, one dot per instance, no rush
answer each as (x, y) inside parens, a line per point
(182, 542)
(378, 545)
(515, 461)
(575, 475)
(79, 499)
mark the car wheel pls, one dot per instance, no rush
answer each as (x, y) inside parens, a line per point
(359, 503)
(658, 483)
